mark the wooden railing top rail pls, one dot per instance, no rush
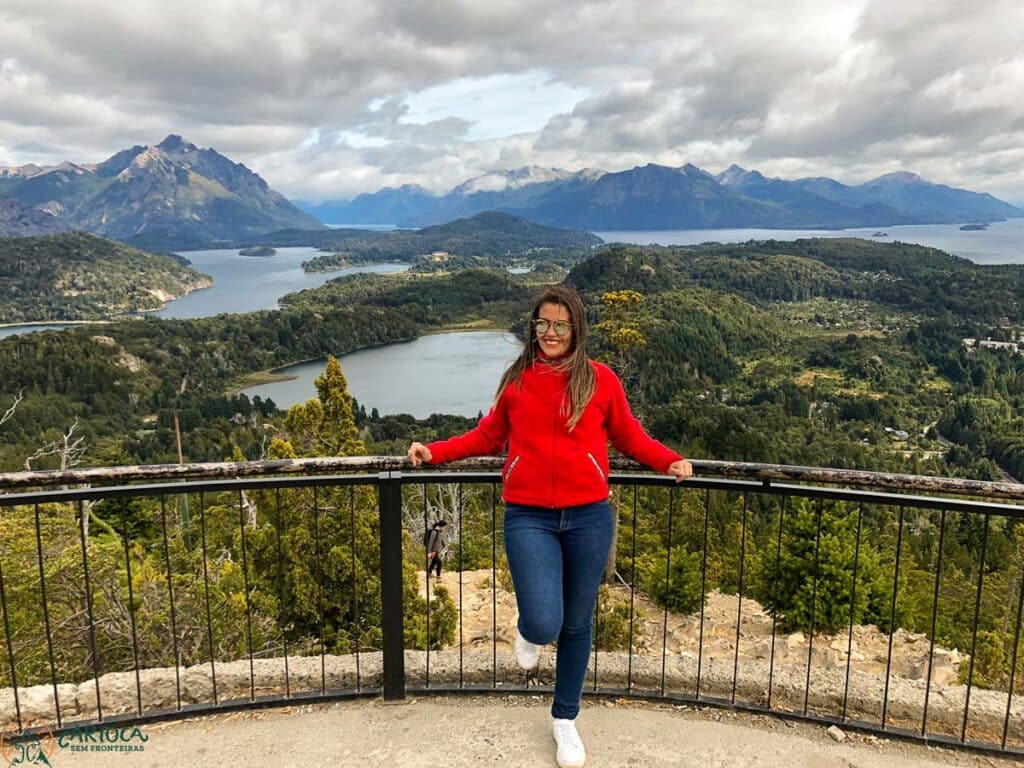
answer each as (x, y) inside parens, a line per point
(766, 473)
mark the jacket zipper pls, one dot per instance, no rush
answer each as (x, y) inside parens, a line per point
(508, 472)
(554, 453)
(597, 466)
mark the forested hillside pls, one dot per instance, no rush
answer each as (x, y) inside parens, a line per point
(488, 238)
(77, 276)
(800, 352)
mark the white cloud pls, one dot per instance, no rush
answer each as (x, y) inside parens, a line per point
(328, 99)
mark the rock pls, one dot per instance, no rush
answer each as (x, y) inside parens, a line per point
(36, 703)
(826, 657)
(837, 733)
(840, 644)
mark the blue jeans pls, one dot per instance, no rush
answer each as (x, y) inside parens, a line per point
(557, 559)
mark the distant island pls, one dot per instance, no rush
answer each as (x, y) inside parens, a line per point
(258, 250)
(973, 227)
(481, 240)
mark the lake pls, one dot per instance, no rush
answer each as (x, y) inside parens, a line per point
(453, 373)
(248, 283)
(245, 283)
(240, 284)
(1001, 243)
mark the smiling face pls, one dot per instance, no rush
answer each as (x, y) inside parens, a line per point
(550, 343)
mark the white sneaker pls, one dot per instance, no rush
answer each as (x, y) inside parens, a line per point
(526, 652)
(571, 753)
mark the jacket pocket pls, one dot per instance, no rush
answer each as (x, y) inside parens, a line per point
(511, 468)
(597, 466)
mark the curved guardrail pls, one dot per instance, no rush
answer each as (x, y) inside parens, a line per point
(133, 594)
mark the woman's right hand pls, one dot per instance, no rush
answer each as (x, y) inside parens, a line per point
(418, 454)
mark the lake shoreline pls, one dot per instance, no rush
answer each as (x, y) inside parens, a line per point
(272, 375)
(200, 285)
(58, 322)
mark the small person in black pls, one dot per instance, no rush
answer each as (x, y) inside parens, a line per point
(437, 546)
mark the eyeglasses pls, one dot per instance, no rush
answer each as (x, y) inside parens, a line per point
(562, 327)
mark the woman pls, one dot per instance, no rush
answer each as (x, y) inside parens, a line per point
(556, 410)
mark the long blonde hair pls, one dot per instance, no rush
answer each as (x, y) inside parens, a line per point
(582, 380)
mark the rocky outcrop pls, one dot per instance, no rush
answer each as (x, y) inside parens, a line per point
(17, 220)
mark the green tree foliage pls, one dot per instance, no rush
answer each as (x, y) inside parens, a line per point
(324, 544)
(616, 625)
(480, 238)
(77, 276)
(326, 426)
(673, 581)
(129, 596)
(812, 585)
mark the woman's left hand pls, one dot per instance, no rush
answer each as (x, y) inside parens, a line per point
(681, 469)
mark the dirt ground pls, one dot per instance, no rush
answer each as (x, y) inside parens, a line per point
(464, 732)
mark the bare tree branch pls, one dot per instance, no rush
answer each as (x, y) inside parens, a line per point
(442, 502)
(68, 448)
(14, 406)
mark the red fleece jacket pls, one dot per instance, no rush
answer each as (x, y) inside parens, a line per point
(548, 465)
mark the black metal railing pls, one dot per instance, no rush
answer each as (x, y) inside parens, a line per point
(817, 594)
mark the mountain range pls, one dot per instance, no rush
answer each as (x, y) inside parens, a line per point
(173, 194)
(659, 197)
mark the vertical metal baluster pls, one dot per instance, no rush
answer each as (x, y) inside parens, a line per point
(703, 588)
(1013, 663)
(248, 608)
(935, 611)
(461, 614)
(494, 585)
(775, 613)
(10, 652)
(280, 590)
(319, 588)
(89, 612)
(170, 598)
(632, 597)
(853, 603)
(46, 615)
(426, 575)
(974, 631)
(739, 600)
(355, 593)
(389, 508)
(206, 587)
(597, 619)
(668, 566)
(131, 602)
(595, 633)
(892, 616)
(814, 600)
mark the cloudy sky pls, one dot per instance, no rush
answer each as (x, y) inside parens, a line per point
(329, 98)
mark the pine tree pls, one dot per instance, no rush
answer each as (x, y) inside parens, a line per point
(812, 586)
(326, 426)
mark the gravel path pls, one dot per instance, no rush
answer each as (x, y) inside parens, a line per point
(460, 732)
